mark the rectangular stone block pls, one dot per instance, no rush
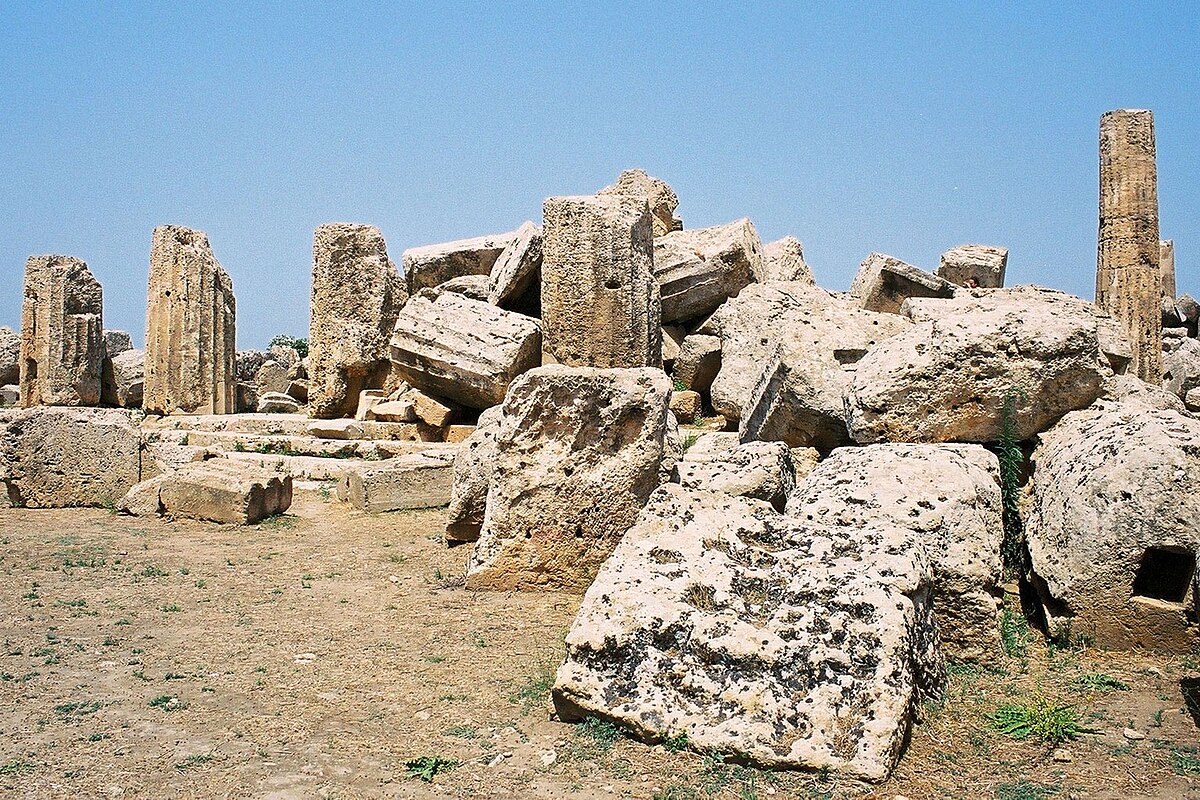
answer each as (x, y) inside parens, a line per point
(883, 283)
(1166, 267)
(432, 265)
(974, 266)
(600, 299)
(698, 270)
(223, 490)
(62, 333)
(465, 350)
(419, 480)
(518, 268)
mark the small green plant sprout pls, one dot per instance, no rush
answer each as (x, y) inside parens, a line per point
(536, 689)
(599, 732)
(1025, 790)
(1014, 633)
(151, 571)
(690, 440)
(17, 768)
(1012, 459)
(677, 742)
(1039, 718)
(194, 760)
(168, 702)
(678, 385)
(428, 767)
(300, 345)
(1100, 682)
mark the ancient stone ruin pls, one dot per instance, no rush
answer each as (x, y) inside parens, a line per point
(783, 509)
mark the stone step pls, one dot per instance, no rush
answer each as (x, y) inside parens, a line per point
(418, 480)
(317, 468)
(298, 425)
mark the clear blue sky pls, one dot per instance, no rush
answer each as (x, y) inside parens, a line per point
(857, 129)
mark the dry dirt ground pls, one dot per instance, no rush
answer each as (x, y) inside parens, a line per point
(316, 654)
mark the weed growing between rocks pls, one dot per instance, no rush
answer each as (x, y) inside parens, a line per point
(1012, 459)
(1039, 718)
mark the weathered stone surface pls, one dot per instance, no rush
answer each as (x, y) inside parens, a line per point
(974, 265)
(779, 642)
(59, 457)
(1111, 526)
(62, 344)
(142, 498)
(600, 300)
(298, 390)
(225, 490)
(821, 330)
(1181, 364)
(948, 498)
(276, 403)
(659, 197)
(1191, 400)
(356, 295)
(577, 454)
(433, 411)
(699, 269)
(272, 376)
(883, 283)
(336, 429)
(473, 286)
(462, 349)
(762, 470)
(402, 410)
(1189, 312)
(248, 362)
(783, 260)
(123, 379)
(191, 354)
(698, 362)
(1128, 279)
(685, 405)
(1129, 389)
(1171, 318)
(417, 480)
(1166, 267)
(117, 342)
(518, 269)
(431, 265)
(247, 397)
(472, 475)
(10, 395)
(946, 378)
(672, 337)
(10, 356)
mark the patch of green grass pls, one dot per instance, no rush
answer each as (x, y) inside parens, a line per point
(1038, 718)
(676, 743)
(1100, 682)
(151, 571)
(428, 767)
(17, 768)
(462, 732)
(1185, 761)
(168, 702)
(690, 440)
(1024, 790)
(600, 733)
(536, 689)
(99, 737)
(171, 608)
(1014, 633)
(194, 760)
(79, 709)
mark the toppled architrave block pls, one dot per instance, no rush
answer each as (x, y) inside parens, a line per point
(672, 337)
(828, 334)
(62, 340)
(356, 295)
(761, 470)
(975, 266)
(60, 457)
(416, 480)
(224, 490)
(123, 379)
(772, 640)
(462, 349)
(578, 452)
(783, 260)
(1128, 270)
(600, 300)
(191, 357)
(472, 474)
(518, 269)
(659, 197)
(948, 499)
(1111, 526)
(949, 377)
(883, 283)
(699, 269)
(402, 410)
(431, 265)
(698, 362)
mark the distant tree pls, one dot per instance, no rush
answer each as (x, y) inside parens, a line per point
(300, 345)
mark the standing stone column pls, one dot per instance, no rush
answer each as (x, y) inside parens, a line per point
(1166, 267)
(191, 348)
(1128, 281)
(356, 295)
(600, 300)
(62, 333)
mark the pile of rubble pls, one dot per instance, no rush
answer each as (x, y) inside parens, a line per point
(779, 502)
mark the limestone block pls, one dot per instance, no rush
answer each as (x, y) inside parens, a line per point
(472, 474)
(247, 397)
(142, 499)
(1189, 312)
(685, 405)
(518, 269)
(60, 457)
(191, 355)
(336, 429)
(225, 490)
(698, 362)
(298, 390)
(948, 499)
(699, 269)
(577, 454)
(883, 283)
(10, 395)
(761, 470)
(417, 480)
(672, 336)
(272, 376)
(975, 266)
(1166, 267)
(368, 399)
(10, 355)
(431, 410)
(1111, 526)
(946, 379)
(62, 344)
(600, 301)
(1128, 272)
(356, 295)
(248, 362)
(123, 379)
(775, 641)
(659, 197)
(462, 349)
(1191, 400)
(827, 334)
(402, 410)
(117, 342)
(434, 264)
(277, 403)
(1181, 364)
(783, 260)
(472, 286)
